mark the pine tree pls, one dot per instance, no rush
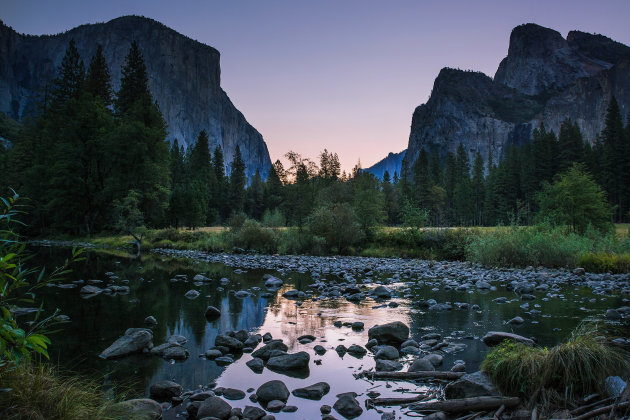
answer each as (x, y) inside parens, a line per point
(220, 197)
(177, 203)
(237, 182)
(570, 145)
(97, 81)
(478, 191)
(134, 84)
(273, 192)
(254, 203)
(422, 180)
(69, 81)
(614, 161)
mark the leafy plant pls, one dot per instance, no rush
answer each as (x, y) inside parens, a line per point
(18, 284)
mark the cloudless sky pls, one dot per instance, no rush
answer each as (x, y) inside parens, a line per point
(344, 75)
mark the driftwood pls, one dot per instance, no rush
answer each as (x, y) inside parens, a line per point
(408, 376)
(467, 404)
(397, 401)
(498, 413)
(585, 408)
(602, 410)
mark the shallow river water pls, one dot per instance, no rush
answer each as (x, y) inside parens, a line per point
(96, 322)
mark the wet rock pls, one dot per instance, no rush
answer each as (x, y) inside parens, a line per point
(200, 277)
(135, 340)
(613, 315)
(253, 413)
(233, 394)
(517, 320)
(614, 386)
(471, 385)
(272, 390)
(387, 353)
(410, 343)
(286, 362)
(150, 321)
(269, 417)
(420, 365)
(458, 367)
(291, 294)
(273, 282)
(435, 416)
(275, 406)
(319, 349)
(348, 406)
(325, 409)
(373, 342)
(175, 352)
(191, 294)
(341, 350)
(214, 407)
(141, 409)
(165, 390)
(393, 332)
(212, 313)
(241, 294)
(91, 290)
(256, 364)
(494, 338)
(312, 392)
(265, 351)
(387, 366)
(201, 396)
(224, 360)
(435, 359)
(388, 416)
(357, 325)
(231, 343)
(356, 350)
(267, 338)
(382, 292)
(289, 409)
(480, 284)
(213, 353)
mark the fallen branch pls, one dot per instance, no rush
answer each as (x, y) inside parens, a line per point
(585, 408)
(498, 413)
(602, 410)
(398, 401)
(428, 374)
(467, 404)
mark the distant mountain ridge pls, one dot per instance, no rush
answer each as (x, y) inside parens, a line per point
(391, 163)
(184, 78)
(544, 79)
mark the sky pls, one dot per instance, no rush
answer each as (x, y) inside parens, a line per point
(342, 75)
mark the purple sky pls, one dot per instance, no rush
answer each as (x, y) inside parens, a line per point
(336, 74)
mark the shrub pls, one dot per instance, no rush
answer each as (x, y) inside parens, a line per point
(273, 219)
(252, 236)
(337, 224)
(603, 262)
(298, 241)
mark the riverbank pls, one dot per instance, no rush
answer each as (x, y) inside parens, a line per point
(512, 246)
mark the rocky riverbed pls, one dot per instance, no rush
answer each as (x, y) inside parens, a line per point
(302, 337)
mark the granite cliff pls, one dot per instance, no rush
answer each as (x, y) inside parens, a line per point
(184, 77)
(545, 78)
(391, 163)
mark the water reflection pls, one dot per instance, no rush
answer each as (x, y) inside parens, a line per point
(97, 322)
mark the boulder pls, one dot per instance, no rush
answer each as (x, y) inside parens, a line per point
(233, 394)
(214, 407)
(312, 392)
(393, 332)
(387, 366)
(387, 353)
(272, 390)
(135, 340)
(212, 313)
(356, 350)
(150, 321)
(275, 406)
(140, 409)
(293, 361)
(265, 351)
(176, 352)
(91, 290)
(229, 342)
(381, 292)
(420, 365)
(253, 413)
(273, 282)
(614, 386)
(348, 406)
(256, 364)
(471, 385)
(191, 294)
(165, 390)
(494, 338)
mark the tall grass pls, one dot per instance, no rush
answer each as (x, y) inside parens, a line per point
(540, 245)
(41, 392)
(572, 369)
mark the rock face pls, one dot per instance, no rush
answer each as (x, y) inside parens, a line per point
(391, 164)
(544, 79)
(184, 78)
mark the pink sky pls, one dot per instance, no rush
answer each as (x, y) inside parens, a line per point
(335, 74)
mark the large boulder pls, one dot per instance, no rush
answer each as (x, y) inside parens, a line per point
(272, 390)
(471, 385)
(312, 392)
(212, 313)
(388, 365)
(494, 338)
(394, 333)
(348, 406)
(138, 409)
(293, 361)
(273, 282)
(253, 413)
(135, 340)
(165, 390)
(420, 365)
(214, 407)
(387, 353)
(229, 342)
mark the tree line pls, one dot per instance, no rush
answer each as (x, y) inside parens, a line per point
(95, 160)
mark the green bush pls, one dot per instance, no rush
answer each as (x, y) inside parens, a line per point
(603, 262)
(337, 224)
(293, 241)
(252, 236)
(430, 243)
(273, 219)
(539, 245)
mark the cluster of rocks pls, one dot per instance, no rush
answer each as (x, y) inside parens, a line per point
(95, 287)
